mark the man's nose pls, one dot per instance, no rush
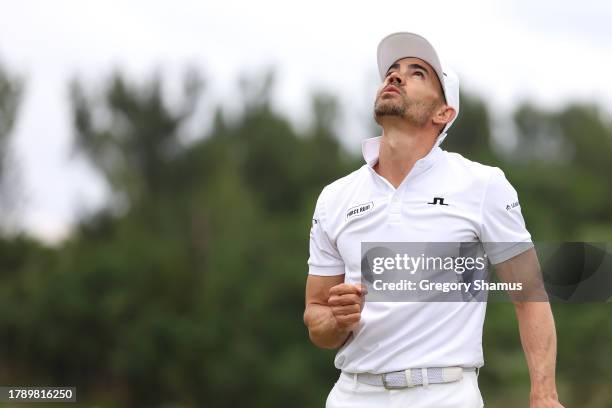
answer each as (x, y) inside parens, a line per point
(394, 79)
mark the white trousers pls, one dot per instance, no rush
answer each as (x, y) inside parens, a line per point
(348, 393)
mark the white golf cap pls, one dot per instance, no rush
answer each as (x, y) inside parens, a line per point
(402, 45)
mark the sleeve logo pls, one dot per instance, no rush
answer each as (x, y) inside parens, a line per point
(512, 205)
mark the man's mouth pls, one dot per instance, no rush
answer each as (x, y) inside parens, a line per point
(390, 88)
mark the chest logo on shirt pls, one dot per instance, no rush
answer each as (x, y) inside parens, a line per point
(438, 200)
(359, 210)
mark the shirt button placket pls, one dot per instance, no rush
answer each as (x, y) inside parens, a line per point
(395, 208)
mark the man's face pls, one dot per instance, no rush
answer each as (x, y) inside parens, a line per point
(411, 90)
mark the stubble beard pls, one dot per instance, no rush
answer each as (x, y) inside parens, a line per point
(416, 112)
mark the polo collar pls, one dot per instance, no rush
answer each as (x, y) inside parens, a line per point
(370, 150)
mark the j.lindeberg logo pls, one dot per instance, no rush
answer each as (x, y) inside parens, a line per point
(438, 200)
(359, 210)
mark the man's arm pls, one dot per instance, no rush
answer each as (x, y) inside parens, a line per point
(536, 326)
(333, 310)
(537, 331)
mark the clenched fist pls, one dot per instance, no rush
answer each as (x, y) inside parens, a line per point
(346, 302)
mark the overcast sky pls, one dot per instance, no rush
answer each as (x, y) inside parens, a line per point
(506, 51)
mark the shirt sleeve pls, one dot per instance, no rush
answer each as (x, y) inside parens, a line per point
(503, 232)
(324, 260)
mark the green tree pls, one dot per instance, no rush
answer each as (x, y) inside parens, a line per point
(190, 282)
(11, 88)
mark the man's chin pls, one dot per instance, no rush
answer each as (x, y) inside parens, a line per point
(380, 116)
(388, 105)
(388, 109)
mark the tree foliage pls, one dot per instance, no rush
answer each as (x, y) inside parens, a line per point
(11, 88)
(187, 289)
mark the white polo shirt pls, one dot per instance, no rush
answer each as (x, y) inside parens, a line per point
(481, 206)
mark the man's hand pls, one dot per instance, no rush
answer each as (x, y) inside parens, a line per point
(536, 401)
(333, 309)
(346, 303)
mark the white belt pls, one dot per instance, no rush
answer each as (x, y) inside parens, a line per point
(412, 377)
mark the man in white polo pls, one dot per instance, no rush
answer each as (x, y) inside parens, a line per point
(417, 354)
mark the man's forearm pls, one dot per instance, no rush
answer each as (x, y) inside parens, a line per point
(323, 328)
(539, 340)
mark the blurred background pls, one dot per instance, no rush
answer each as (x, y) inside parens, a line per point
(160, 162)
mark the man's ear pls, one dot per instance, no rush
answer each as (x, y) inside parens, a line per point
(444, 115)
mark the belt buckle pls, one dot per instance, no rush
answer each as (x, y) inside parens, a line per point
(391, 387)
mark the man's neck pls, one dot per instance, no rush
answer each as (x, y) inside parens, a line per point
(401, 146)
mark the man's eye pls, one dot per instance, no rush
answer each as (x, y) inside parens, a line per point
(419, 73)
